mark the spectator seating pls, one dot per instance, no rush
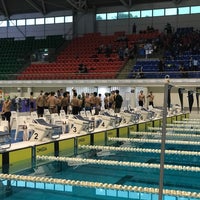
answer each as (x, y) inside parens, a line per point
(14, 53)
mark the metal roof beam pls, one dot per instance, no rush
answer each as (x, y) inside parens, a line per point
(35, 6)
(44, 7)
(73, 4)
(5, 9)
(124, 3)
(78, 4)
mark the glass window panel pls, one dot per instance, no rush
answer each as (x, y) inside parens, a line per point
(170, 11)
(49, 20)
(111, 16)
(21, 22)
(195, 9)
(123, 15)
(158, 12)
(3, 23)
(30, 21)
(146, 13)
(68, 19)
(135, 14)
(101, 16)
(184, 10)
(12, 23)
(39, 21)
(59, 20)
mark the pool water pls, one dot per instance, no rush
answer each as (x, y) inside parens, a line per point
(112, 174)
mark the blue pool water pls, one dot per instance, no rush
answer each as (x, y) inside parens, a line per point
(133, 176)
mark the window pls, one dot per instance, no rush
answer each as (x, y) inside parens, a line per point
(21, 22)
(68, 19)
(49, 20)
(12, 23)
(135, 14)
(101, 16)
(146, 13)
(111, 16)
(123, 15)
(3, 23)
(170, 11)
(30, 21)
(59, 20)
(184, 10)
(195, 9)
(39, 21)
(158, 12)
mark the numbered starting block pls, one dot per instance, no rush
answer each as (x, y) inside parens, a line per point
(43, 131)
(107, 120)
(147, 115)
(80, 125)
(129, 117)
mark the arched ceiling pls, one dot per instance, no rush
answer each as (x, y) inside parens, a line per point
(12, 7)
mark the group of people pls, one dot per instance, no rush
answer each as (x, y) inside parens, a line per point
(141, 98)
(85, 101)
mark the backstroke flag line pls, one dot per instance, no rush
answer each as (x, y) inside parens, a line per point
(197, 98)
(190, 99)
(180, 92)
(169, 97)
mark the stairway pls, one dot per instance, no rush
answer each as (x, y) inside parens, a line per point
(123, 74)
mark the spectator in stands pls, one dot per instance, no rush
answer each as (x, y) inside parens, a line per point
(183, 71)
(139, 73)
(195, 64)
(82, 68)
(161, 65)
(168, 28)
(108, 50)
(121, 54)
(100, 49)
(134, 28)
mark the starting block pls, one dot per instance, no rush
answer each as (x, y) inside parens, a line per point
(108, 121)
(43, 131)
(129, 117)
(78, 124)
